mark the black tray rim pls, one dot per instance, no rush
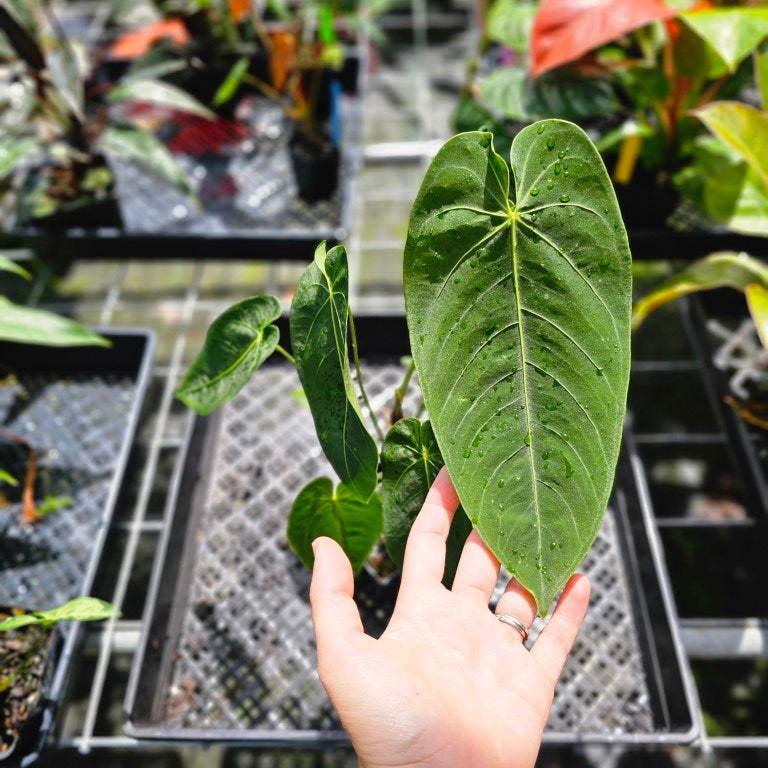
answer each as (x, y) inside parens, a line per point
(198, 440)
(71, 634)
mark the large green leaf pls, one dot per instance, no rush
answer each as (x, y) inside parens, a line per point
(742, 128)
(518, 302)
(341, 514)
(511, 92)
(410, 461)
(29, 325)
(728, 35)
(159, 93)
(238, 342)
(510, 23)
(319, 318)
(726, 269)
(140, 146)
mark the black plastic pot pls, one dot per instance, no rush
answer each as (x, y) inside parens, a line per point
(315, 168)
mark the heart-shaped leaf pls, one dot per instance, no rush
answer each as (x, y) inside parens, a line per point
(410, 461)
(29, 325)
(564, 30)
(340, 514)
(518, 302)
(319, 320)
(238, 342)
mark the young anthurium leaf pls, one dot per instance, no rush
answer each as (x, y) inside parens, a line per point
(29, 325)
(719, 270)
(729, 34)
(228, 88)
(518, 301)
(757, 301)
(319, 319)
(410, 461)
(160, 93)
(8, 478)
(238, 342)
(340, 514)
(15, 622)
(140, 146)
(741, 127)
(737, 198)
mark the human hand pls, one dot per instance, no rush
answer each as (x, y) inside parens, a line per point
(447, 684)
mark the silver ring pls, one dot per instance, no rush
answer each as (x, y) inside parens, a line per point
(513, 622)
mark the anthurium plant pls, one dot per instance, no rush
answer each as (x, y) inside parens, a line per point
(518, 300)
(642, 75)
(53, 125)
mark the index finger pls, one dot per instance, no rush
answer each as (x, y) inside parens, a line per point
(425, 548)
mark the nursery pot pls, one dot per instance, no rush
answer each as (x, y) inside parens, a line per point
(78, 195)
(25, 652)
(315, 166)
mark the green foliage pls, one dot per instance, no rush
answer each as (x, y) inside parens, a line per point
(79, 609)
(518, 296)
(510, 23)
(319, 327)
(8, 478)
(410, 461)
(30, 325)
(518, 301)
(340, 513)
(238, 342)
(159, 93)
(7, 265)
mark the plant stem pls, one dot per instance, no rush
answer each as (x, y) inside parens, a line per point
(364, 394)
(287, 355)
(29, 508)
(397, 407)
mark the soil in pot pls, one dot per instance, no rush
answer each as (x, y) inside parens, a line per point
(24, 653)
(80, 193)
(315, 162)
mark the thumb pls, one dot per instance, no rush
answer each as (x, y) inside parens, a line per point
(334, 612)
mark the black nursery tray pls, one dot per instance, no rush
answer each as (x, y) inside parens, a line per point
(241, 171)
(78, 408)
(228, 651)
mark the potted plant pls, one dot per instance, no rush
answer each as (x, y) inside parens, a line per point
(505, 365)
(636, 75)
(57, 138)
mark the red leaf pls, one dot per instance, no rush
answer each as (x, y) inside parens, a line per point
(565, 30)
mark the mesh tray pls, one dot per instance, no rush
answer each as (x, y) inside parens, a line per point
(228, 651)
(241, 172)
(78, 408)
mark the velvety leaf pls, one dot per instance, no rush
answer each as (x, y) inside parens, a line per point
(730, 34)
(510, 22)
(30, 325)
(726, 269)
(319, 319)
(518, 302)
(140, 146)
(564, 30)
(159, 93)
(13, 151)
(757, 301)
(7, 265)
(21, 39)
(737, 198)
(510, 92)
(741, 127)
(238, 342)
(340, 514)
(410, 461)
